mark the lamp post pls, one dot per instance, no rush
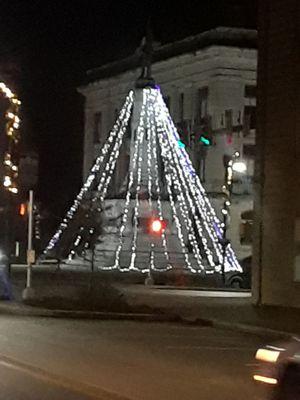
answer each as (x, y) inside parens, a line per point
(235, 164)
(28, 292)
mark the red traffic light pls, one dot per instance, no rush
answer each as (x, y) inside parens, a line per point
(157, 226)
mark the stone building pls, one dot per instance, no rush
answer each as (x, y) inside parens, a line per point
(209, 85)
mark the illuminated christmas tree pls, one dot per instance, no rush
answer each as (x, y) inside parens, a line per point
(165, 219)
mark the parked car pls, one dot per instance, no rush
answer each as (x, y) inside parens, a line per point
(240, 280)
(279, 369)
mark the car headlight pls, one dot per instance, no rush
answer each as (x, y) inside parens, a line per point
(267, 355)
(265, 379)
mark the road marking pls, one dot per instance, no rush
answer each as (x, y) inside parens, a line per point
(89, 390)
(216, 348)
(202, 293)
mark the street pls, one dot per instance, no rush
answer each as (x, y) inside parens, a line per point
(17, 384)
(78, 359)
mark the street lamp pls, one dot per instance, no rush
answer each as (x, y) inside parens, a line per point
(239, 166)
(235, 164)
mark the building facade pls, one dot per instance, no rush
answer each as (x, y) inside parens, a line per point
(209, 85)
(276, 266)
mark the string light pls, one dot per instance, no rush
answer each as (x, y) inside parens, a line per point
(213, 226)
(138, 138)
(191, 202)
(168, 175)
(94, 170)
(194, 217)
(153, 156)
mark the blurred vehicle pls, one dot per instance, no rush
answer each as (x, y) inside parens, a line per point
(279, 369)
(240, 280)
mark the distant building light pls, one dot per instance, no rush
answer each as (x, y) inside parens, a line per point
(14, 190)
(11, 115)
(7, 181)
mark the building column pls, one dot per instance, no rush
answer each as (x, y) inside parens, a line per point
(277, 177)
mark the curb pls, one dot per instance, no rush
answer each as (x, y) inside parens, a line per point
(199, 289)
(76, 314)
(239, 327)
(98, 315)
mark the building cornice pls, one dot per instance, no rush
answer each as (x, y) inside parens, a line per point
(222, 36)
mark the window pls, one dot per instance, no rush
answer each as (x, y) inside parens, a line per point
(249, 150)
(250, 91)
(97, 127)
(181, 107)
(202, 103)
(228, 120)
(249, 117)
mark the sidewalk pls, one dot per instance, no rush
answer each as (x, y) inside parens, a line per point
(218, 308)
(235, 311)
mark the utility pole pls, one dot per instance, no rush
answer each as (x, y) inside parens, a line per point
(237, 165)
(227, 190)
(28, 291)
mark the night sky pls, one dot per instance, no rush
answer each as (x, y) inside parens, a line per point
(47, 46)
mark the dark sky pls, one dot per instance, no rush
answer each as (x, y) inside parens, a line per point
(48, 46)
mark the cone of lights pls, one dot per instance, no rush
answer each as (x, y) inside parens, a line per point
(194, 218)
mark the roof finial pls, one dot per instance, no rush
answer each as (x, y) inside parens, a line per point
(145, 79)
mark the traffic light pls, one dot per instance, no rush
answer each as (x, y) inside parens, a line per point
(22, 209)
(205, 140)
(157, 226)
(181, 144)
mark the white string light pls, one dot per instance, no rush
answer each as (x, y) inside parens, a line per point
(125, 111)
(140, 139)
(130, 184)
(111, 162)
(183, 209)
(185, 192)
(213, 225)
(152, 144)
(156, 126)
(204, 215)
(168, 174)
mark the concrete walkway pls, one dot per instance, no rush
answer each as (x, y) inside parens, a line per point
(220, 308)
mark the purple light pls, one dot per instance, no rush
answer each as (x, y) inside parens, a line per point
(217, 230)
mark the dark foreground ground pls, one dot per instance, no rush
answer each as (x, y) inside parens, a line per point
(75, 359)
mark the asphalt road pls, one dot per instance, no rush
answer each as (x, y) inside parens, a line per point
(77, 359)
